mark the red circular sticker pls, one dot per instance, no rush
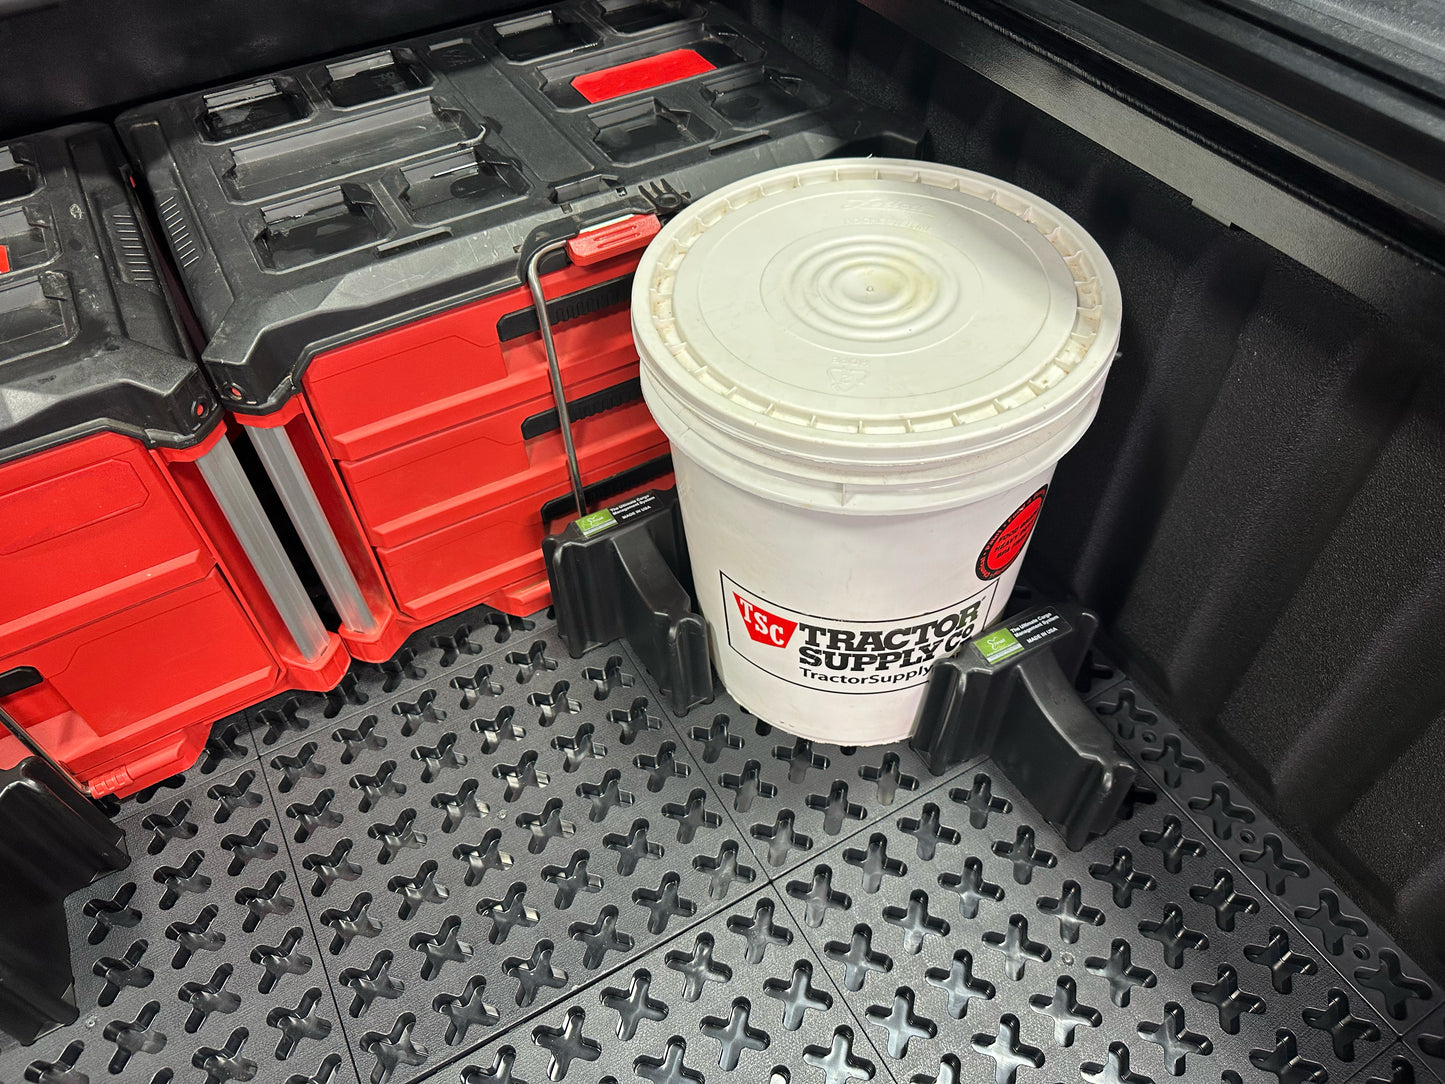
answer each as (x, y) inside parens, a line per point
(1008, 541)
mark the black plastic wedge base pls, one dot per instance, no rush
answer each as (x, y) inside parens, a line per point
(623, 573)
(55, 842)
(1010, 695)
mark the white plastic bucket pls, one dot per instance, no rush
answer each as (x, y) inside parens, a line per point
(868, 369)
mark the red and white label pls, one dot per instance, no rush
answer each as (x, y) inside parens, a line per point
(845, 656)
(764, 627)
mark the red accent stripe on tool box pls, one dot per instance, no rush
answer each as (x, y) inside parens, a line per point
(651, 71)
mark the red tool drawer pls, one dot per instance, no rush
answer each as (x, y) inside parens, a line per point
(140, 583)
(90, 528)
(497, 557)
(468, 362)
(431, 484)
(112, 593)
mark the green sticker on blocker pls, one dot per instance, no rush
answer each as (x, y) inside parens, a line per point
(596, 522)
(999, 644)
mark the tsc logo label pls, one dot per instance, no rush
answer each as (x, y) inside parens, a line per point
(848, 656)
(763, 627)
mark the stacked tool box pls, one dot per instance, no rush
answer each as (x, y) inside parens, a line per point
(354, 236)
(142, 595)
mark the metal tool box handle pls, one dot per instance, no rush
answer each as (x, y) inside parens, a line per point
(593, 245)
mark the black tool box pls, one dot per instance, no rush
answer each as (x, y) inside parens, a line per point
(136, 589)
(354, 235)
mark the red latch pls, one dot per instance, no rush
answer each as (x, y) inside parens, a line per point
(613, 239)
(117, 779)
(4, 259)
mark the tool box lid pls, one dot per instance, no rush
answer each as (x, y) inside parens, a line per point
(314, 206)
(88, 339)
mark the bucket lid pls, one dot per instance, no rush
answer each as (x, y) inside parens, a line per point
(874, 311)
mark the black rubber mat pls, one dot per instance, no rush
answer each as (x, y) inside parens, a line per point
(488, 862)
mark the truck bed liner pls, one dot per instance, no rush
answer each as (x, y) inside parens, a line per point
(486, 861)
